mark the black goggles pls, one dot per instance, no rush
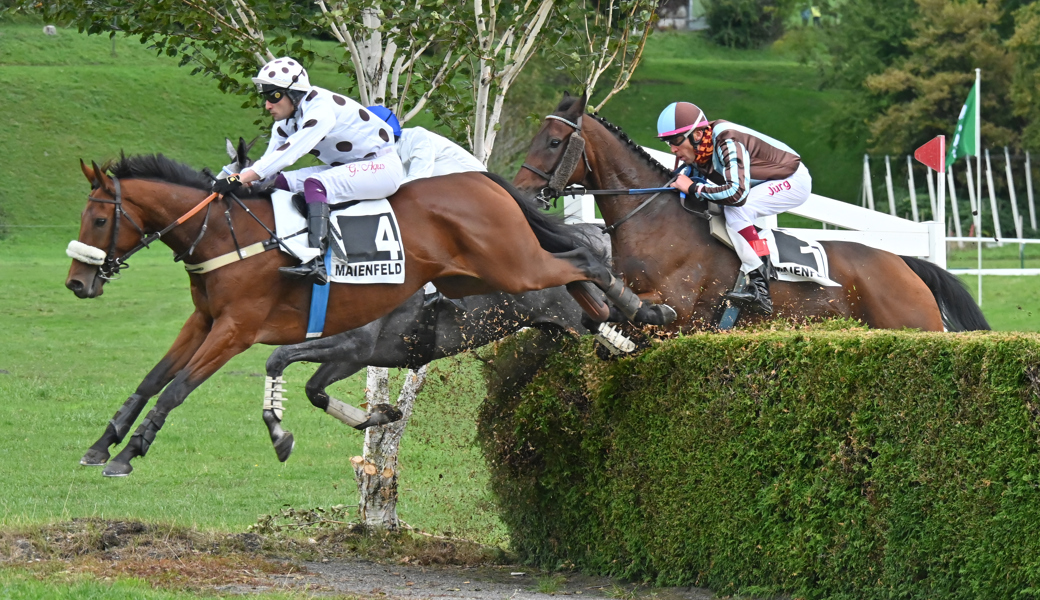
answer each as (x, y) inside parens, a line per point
(675, 140)
(274, 96)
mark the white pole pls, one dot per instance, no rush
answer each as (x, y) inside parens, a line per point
(931, 192)
(953, 205)
(971, 191)
(940, 204)
(913, 190)
(1011, 193)
(1029, 193)
(888, 187)
(992, 198)
(868, 183)
(978, 167)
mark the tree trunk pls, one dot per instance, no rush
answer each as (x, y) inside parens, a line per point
(376, 471)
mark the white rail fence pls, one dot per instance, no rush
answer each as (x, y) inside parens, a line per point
(906, 236)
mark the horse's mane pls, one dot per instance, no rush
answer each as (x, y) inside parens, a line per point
(157, 166)
(636, 148)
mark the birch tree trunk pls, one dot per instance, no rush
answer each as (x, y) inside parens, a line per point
(376, 470)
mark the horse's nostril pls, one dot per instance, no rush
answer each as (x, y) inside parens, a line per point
(74, 284)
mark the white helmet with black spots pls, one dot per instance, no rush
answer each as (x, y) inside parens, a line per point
(282, 73)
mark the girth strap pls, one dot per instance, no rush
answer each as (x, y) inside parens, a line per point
(231, 257)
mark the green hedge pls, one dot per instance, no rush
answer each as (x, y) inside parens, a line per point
(821, 464)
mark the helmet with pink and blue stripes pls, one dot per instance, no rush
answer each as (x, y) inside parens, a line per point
(680, 117)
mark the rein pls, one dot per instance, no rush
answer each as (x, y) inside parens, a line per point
(569, 160)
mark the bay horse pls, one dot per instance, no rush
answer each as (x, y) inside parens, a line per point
(470, 233)
(666, 253)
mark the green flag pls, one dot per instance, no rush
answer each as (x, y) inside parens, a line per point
(964, 137)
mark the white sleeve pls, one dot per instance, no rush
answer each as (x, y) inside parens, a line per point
(283, 152)
(418, 153)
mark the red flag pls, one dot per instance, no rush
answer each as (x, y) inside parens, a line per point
(933, 154)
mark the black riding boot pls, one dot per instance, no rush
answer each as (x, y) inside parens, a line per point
(755, 295)
(317, 237)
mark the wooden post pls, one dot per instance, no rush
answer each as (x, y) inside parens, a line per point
(953, 205)
(992, 198)
(888, 187)
(913, 189)
(1011, 193)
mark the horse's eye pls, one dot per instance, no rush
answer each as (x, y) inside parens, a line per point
(100, 222)
(554, 143)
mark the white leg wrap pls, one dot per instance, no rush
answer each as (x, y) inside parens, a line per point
(614, 341)
(274, 393)
(344, 412)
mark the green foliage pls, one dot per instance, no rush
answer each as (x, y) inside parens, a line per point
(1025, 86)
(746, 23)
(815, 464)
(925, 91)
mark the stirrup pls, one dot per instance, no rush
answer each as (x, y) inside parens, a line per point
(311, 272)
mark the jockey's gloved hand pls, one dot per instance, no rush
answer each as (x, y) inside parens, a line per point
(227, 185)
(699, 179)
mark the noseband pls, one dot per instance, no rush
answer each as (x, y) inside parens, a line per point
(110, 266)
(558, 176)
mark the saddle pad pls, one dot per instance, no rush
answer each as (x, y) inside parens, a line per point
(365, 239)
(796, 259)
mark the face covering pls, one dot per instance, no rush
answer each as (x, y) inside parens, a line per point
(702, 152)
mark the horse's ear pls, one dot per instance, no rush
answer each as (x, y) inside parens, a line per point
(103, 180)
(583, 101)
(231, 151)
(89, 174)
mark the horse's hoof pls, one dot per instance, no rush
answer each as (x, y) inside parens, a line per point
(656, 314)
(94, 458)
(117, 469)
(381, 414)
(284, 447)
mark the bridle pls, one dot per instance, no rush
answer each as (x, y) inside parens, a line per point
(558, 176)
(110, 265)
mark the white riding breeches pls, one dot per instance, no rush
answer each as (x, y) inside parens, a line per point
(771, 198)
(765, 199)
(371, 179)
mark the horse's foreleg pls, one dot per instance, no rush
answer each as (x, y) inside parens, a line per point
(188, 341)
(221, 344)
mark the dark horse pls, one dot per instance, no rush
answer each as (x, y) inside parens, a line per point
(666, 254)
(468, 232)
(420, 331)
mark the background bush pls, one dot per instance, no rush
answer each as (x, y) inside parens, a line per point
(745, 23)
(862, 464)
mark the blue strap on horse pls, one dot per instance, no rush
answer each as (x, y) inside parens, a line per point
(319, 302)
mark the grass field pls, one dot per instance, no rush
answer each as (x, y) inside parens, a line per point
(67, 364)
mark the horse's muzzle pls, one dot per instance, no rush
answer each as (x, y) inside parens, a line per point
(93, 289)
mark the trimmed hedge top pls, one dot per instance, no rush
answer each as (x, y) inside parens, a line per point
(823, 464)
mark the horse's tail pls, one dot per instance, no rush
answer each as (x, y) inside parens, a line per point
(958, 308)
(553, 235)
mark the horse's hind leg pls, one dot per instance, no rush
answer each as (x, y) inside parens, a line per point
(630, 305)
(187, 342)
